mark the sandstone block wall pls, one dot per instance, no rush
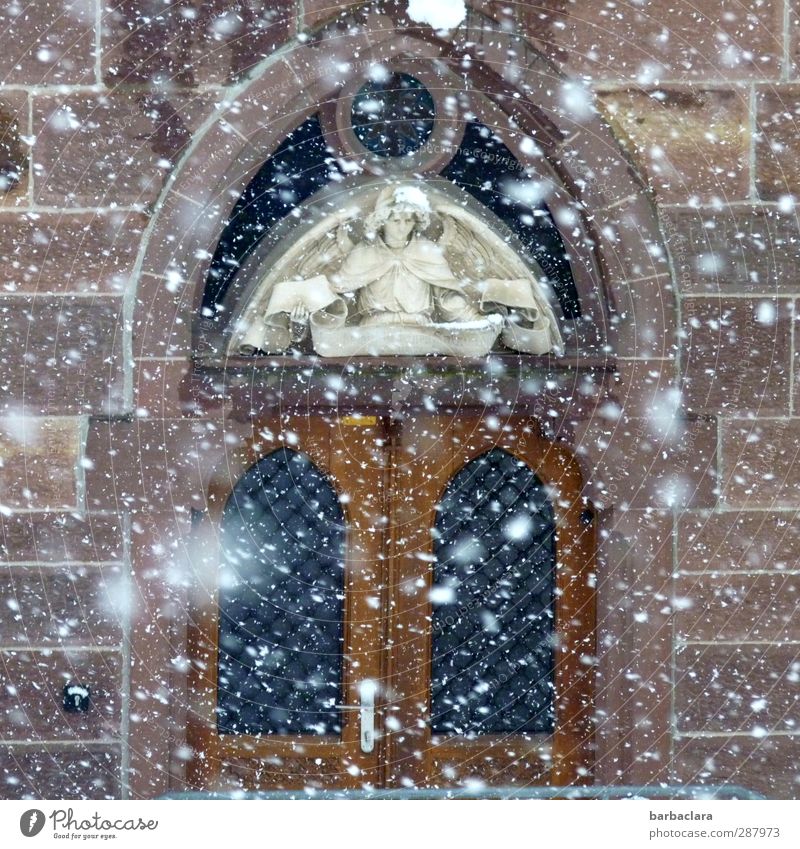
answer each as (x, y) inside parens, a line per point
(98, 100)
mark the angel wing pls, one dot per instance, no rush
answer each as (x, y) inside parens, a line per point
(469, 258)
(480, 256)
(477, 255)
(318, 253)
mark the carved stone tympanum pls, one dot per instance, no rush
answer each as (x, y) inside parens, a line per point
(416, 274)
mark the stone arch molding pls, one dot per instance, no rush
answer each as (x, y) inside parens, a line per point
(528, 96)
(535, 99)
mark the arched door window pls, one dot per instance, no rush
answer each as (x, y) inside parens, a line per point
(494, 602)
(281, 601)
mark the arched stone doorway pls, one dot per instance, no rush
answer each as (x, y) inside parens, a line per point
(626, 280)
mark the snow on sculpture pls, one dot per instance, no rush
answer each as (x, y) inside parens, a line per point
(396, 288)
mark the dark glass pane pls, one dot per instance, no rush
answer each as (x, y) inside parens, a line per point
(281, 601)
(484, 167)
(494, 581)
(393, 117)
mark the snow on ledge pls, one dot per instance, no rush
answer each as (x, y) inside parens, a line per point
(440, 14)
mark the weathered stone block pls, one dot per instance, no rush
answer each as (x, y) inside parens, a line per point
(95, 150)
(650, 41)
(33, 683)
(161, 306)
(163, 569)
(60, 771)
(734, 249)
(162, 388)
(60, 538)
(760, 462)
(62, 606)
(766, 765)
(661, 461)
(167, 470)
(742, 687)
(645, 387)
(316, 12)
(737, 355)
(14, 126)
(49, 43)
(738, 540)
(642, 324)
(61, 354)
(693, 143)
(57, 252)
(793, 33)
(778, 142)
(634, 634)
(737, 607)
(191, 42)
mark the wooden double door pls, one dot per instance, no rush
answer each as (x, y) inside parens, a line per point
(396, 603)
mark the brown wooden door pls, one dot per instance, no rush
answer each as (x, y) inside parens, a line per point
(392, 479)
(429, 456)
(263, 759)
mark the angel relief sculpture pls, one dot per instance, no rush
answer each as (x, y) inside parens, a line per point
(398, 289)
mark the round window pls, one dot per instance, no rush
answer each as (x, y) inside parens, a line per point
(393, 117)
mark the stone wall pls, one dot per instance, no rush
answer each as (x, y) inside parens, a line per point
(97, 103)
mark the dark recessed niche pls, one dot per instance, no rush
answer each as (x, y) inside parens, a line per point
(301, 166)
(13, 155)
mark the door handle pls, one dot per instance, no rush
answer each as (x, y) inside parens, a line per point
(366, 692)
